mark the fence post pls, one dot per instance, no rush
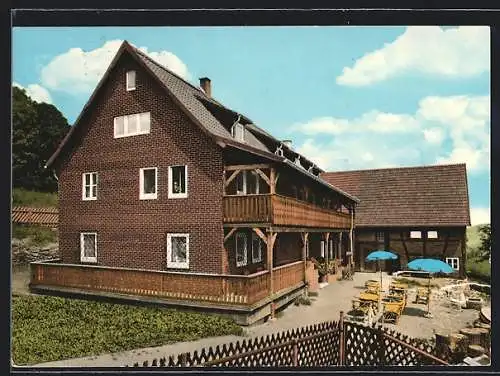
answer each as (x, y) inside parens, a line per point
(341, 339)
(183, 359)
(295, 353)
(381, 346)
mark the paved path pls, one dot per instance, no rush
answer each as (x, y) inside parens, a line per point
(332, 299)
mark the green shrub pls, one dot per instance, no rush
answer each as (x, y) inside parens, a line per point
(33, 234)
(479, 269)
(23, 197)
(46, 328)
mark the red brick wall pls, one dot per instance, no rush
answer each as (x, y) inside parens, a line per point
(132, 232)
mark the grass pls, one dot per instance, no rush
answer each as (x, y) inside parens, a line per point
(479, 270)
(34, 235)
(23, 197)
(413, 282)
(47, 328)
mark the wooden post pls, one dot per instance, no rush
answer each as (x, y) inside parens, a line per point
(341, 339)
(351, 237)
(272, 176)
(271, 237)
(295, 353)
(305, 237)
(326, 241)
(464, 254)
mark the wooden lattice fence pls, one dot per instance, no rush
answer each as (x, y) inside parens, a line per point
(326, 344)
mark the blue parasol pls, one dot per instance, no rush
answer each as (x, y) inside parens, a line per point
(379, 255)
(430, 266)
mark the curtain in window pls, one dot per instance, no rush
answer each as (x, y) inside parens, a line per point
(179, 249)
(89, 245)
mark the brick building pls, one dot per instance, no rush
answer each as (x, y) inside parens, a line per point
(168, 195)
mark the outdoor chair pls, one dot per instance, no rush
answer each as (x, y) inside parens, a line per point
(422, 295)
(391, 312)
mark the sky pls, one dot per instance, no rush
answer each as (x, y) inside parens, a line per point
(348, 97)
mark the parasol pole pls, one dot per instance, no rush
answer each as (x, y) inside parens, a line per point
(380, 291)
(429, 294)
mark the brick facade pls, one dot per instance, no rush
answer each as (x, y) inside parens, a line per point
(132, 232)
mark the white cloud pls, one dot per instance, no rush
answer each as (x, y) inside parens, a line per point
(479, 216)
(36, 92)
(442, 130)
(79, 71)
(452, 52)
(373, 121)
(434, 135)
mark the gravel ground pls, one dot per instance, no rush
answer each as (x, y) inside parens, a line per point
(332, 299)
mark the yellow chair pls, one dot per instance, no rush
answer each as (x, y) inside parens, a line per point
(422, 295)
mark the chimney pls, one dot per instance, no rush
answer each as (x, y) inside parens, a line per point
(206, 86)
(287, 143)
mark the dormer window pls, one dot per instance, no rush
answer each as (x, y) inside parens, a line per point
(238, 132)
(130, 80)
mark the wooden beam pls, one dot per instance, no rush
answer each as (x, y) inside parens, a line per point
(271, 237)
(304, 236)
(277, 177)
(272, 187)
(445, 246)
(231, 232)
(404, 247)
(263, 176)
(233, 175)
(246, 167)
(260, 234)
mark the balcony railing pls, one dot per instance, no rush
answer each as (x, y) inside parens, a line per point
(194, 287)
(281, 210)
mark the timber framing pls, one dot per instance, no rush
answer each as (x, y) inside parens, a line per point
(272, 228)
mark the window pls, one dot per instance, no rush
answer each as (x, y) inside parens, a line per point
(453, 262)
(256, 248)
(432, 234)
(88, 247)
(241, 183)
(380, 236)
(148, 181)
(415, 234)
(238, 132)
(253, 182)
(89, 186)
(178, 251)
(241, 249)
(131, 125)
(177, 182)
(130, 80)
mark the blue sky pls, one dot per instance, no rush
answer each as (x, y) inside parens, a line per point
(348, 97)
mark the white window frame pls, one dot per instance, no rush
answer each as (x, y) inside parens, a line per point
(234, 133)
(147, 196)
(84, 258)
(380, 236)
(171, 193)
(126, 118)
(259, 258)
(415, 234)
(173, 264)
(453, 260)
(93, 184)
(129, 79)
(245, 249)
(432, 235)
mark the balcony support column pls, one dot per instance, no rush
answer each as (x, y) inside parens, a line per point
(326, 237)
(273, 179)
(351, 239)
(271, 238)
(305, 238)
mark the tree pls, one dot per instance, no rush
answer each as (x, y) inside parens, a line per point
(485, 247)
(37, 129)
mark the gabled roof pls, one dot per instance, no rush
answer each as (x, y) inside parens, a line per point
(195, 103)
(408, 196)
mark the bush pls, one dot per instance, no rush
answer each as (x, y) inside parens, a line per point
(479, 269)
(23, 197)
(33, 234)
(47, 328)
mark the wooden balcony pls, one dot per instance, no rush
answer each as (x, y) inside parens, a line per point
(280, 210)
(195, 288)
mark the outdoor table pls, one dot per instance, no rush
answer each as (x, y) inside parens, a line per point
(368, 296)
